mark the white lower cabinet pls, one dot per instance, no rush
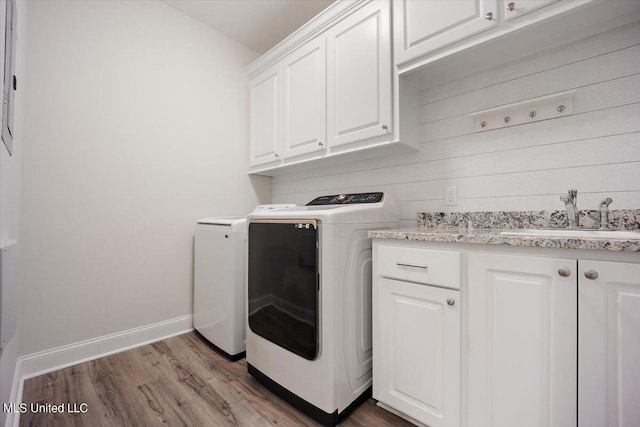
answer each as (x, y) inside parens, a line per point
(609, 344)
(522, 341)
(499, 338)
(416, 350)
(419, 351)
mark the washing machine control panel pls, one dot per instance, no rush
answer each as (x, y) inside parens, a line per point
(345, 199)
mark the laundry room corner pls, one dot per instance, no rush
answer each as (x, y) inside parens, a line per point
(133, 135)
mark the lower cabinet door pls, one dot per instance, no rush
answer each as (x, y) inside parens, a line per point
(416, 360)
(608, 344)
(522, 343)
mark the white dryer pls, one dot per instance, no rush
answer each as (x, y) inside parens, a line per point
(219, 281)
(309, 301)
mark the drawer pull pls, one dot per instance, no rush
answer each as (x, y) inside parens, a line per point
(451, 301)
(404, 264)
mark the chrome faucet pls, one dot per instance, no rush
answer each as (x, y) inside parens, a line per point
(570, 200)
(604, 213)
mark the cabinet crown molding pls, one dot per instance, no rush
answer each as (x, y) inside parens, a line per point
(314, 27)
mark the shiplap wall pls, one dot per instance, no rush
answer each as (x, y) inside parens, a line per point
(525, 167)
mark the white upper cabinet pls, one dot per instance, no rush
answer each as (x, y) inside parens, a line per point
(338, 85)
(609, 344)
(265, 117)
(422, 26)
(359, 77)
(514, 9)
(304, 105)
(429, 31)
(327, 90)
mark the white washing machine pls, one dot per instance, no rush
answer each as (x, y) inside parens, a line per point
(309, 301)
(219, 281)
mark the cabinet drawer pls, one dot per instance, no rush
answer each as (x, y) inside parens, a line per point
(432, 267)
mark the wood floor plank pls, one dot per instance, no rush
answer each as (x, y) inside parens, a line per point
(369, 414)
(275, 410)
(193, 382)
(173, 407)
(79, 391)
(140, 365)
(250, 416)
(195, 348)
(40, 388)
(114, 398)
(180, 381)
(59, 388)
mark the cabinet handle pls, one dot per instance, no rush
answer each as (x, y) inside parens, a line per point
(385, 127)
(564, 272)
(404, 264)
(320, 143)
(591, 274)
(488, 16)
(510, 6)
(451, 301)
(277, 155)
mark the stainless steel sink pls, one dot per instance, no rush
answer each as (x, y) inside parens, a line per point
(578, 233)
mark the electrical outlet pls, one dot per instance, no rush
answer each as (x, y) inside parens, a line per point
(451, 196)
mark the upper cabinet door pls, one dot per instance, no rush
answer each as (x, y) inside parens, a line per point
(265, 117)
(359, 76)
(305, 88)
(513, 9)
(421, 27)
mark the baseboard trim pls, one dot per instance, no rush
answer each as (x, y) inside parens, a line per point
(13, 418)
(43, 362)
(32, 365)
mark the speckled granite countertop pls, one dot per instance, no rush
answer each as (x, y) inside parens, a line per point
(493, 237)
(486, 228)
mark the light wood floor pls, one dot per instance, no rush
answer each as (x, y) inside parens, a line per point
(180, 381)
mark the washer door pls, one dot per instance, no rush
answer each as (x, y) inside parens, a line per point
(283, 284)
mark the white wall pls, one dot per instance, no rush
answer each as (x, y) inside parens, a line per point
(10, 184)
(137, 127)
(596, 150)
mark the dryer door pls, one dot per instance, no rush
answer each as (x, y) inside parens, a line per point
(283, 287)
